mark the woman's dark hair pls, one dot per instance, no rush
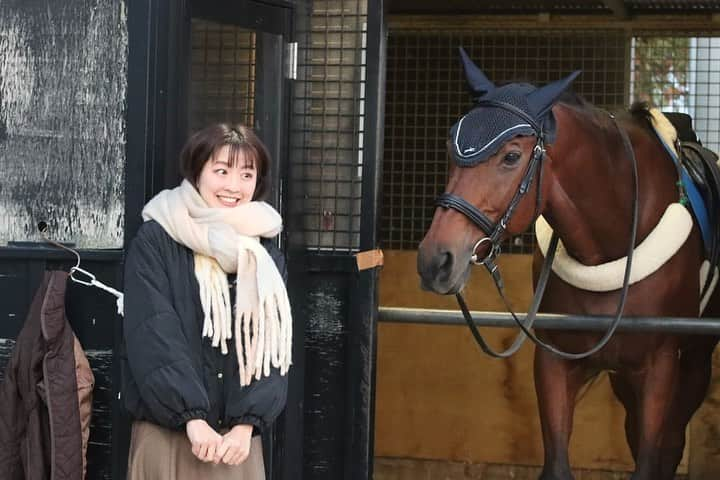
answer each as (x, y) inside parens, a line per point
(244, 145)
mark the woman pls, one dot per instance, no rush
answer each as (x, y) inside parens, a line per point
(207, 323)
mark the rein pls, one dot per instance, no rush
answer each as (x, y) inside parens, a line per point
(494, 233)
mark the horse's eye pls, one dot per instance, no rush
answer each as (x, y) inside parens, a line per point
(511, 158)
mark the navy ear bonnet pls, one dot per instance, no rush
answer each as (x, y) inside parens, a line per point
(482, 131)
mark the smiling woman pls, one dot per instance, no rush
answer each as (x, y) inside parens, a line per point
(213, 366)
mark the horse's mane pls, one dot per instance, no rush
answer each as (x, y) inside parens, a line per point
(640, 111)
(569, 97)
(595, 115)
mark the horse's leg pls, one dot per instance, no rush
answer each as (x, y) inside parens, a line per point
(655, 384)
(695, 370)
(626, 394)
(557, 382)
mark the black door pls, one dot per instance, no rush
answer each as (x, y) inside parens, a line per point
(193, 63)
(238, 72)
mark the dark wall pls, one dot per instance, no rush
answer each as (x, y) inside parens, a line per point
(62, 122)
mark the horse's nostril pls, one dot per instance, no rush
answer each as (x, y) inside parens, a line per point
(444, 261)
(435, 267)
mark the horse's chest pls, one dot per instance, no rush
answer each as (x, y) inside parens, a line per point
(624, 351)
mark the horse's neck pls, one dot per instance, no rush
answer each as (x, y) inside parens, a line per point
(591, 189)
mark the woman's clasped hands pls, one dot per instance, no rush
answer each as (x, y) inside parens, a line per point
(232, 448)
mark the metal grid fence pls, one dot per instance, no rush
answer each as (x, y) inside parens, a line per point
(326, 150)
(222, 75)
(680, 74)
(426, 94)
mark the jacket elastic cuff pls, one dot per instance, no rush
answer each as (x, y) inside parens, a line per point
(258, 423)
(187, 415)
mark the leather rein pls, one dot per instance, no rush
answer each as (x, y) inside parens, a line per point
(494, 233)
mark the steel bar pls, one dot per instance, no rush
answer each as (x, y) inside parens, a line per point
(682, 325)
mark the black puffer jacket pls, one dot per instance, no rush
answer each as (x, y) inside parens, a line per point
(170, 373)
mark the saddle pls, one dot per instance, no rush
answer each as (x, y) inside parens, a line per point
(701, 165)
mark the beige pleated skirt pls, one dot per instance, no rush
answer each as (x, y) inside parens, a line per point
(157, 453)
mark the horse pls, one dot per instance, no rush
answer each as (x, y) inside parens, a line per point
(524, 153)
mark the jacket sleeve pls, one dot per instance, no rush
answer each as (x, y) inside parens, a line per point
(260, 403)
(159, 356)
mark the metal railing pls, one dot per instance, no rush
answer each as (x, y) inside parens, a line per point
(678, 325)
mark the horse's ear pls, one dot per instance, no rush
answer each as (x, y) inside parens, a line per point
(542, 99)
(476, 79)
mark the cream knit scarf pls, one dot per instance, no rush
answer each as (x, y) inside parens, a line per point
(226, 240)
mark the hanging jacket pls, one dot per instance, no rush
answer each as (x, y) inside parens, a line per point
(170, 373)
(41, 428)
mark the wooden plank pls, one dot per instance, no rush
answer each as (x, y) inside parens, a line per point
(687, 22)
(438, 397)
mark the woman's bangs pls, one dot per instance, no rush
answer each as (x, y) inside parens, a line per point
(241, 156)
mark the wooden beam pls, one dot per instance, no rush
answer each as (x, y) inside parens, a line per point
(474, 23)
(618, 8)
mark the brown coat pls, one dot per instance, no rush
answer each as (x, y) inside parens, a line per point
(43, 391)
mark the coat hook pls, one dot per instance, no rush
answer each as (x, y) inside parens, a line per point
(43, 228)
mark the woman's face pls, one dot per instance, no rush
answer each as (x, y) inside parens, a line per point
(221, 185)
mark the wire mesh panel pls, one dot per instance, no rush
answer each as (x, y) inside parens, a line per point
(222, 78)
(680, 74)
(326, 151)
(426, 94)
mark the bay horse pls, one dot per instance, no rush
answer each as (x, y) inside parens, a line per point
(581, 162)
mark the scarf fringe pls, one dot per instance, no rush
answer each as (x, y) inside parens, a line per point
(263, 326)
(225, 240)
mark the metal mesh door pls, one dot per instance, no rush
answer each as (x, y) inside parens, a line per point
(222, 78)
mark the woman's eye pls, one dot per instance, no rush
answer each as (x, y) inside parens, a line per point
(512, 158)
(221, 171)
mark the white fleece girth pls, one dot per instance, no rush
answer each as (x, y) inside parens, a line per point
(660, 245)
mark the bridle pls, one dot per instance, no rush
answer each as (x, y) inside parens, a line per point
(494, 233)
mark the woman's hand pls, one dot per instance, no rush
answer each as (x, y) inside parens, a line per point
(205, 441)
(235, 446)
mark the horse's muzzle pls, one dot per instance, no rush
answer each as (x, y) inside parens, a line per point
(439, 272)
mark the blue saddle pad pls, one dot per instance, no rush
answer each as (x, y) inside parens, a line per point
(697, 204)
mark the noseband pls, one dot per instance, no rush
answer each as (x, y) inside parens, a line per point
(495, 231)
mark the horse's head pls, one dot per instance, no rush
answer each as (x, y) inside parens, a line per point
(496, 152)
